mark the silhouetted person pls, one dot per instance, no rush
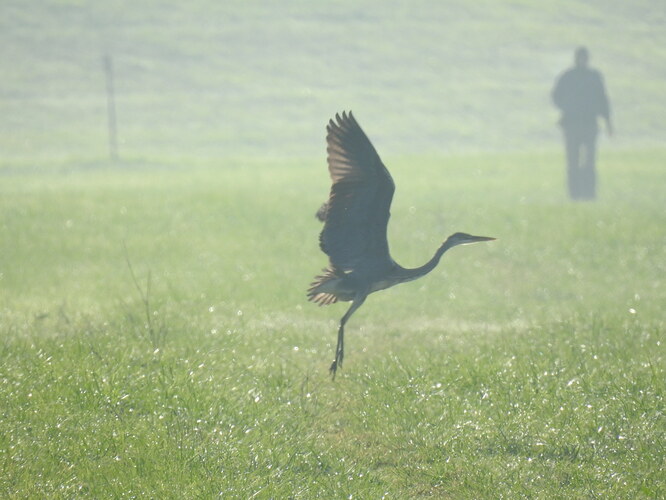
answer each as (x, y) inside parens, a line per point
(580, 94)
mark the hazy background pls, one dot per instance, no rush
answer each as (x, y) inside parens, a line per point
(204, 79)
(155, 335)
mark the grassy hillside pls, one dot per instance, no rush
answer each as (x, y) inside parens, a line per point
(209, 79)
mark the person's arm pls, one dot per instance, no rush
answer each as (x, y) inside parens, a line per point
(604, 106)
(557, 93)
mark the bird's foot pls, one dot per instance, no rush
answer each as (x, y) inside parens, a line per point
(337, 362)
(333, 369)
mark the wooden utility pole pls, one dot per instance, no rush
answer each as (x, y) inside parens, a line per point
(111, 108)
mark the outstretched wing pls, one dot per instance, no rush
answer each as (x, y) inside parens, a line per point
(358, 207)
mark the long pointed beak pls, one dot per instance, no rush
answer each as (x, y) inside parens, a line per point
(466, 239)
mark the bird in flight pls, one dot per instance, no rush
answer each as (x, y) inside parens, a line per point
(355, 219)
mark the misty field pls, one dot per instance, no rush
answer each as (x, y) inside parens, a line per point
(156, 339)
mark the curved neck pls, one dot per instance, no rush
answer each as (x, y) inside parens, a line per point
(417, 272)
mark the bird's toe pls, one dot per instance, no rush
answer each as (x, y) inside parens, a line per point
(333, 369)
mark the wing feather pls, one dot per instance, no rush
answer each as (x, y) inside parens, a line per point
(358, 208)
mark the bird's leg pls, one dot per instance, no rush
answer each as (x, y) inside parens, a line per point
(340, 349)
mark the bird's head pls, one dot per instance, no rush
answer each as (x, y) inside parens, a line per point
(464, 239)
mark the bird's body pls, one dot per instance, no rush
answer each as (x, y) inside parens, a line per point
(355, 220)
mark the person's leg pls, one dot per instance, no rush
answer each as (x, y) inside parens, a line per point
(573, 145)
(589, 188)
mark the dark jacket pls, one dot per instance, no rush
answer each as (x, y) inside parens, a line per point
(580, 94)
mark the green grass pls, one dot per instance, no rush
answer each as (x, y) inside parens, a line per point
(532, 366)
(155, 339)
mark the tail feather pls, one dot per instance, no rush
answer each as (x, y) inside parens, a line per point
(320, 290)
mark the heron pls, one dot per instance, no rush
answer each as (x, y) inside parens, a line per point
(355, 220)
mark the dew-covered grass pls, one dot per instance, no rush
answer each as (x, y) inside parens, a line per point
(156, 341)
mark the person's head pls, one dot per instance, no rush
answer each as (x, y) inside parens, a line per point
(582, 57)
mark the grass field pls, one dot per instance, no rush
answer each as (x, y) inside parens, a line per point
(533, 366)
(155, 338)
